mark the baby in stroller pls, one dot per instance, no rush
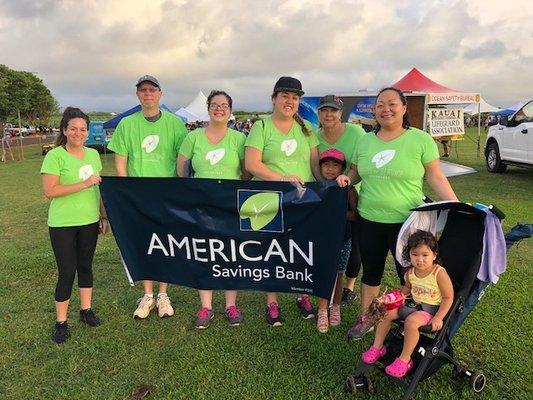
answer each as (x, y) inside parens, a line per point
(432, 297)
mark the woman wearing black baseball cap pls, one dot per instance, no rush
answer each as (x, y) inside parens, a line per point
(282, 147)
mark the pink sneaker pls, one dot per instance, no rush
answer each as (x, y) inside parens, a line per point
(234, 316)
(373, 354)
(203, 318)
(306, 308)
(273, 314)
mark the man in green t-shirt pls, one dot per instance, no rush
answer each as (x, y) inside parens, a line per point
(146, 144)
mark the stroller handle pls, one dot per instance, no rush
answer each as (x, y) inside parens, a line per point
(425, 329)
(496, 211)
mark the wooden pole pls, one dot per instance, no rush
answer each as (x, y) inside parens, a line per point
(20, 133)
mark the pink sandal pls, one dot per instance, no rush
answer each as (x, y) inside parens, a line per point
(373, 354)
(399, 368)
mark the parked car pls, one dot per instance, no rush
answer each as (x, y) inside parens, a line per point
(510, 142)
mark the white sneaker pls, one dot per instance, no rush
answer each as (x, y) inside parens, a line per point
(164, 308)
(146, 304)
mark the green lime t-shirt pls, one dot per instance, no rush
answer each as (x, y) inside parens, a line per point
(392, 174)
(151, 147)
(215, 161)
(75, 209)
(288, 154)
(347, 143)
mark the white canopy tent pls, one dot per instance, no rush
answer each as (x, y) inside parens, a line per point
(196, 110)
(483, 107)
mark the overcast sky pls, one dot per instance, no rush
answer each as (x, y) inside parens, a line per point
(91, 52)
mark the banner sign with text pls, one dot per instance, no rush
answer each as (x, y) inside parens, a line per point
(445, 122)
(453, 98)
(225, 234)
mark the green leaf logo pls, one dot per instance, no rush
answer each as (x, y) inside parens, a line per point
(261, 209)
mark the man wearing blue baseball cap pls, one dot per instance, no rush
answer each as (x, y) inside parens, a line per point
(146, 144)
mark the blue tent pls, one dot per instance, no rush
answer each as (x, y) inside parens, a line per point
(113, 122)
(504, 113)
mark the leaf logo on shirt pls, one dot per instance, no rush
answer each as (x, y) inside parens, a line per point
(261, 209)
(383, 158)
(289, 146)
(214, 156)
(150, 143)
(85, 172)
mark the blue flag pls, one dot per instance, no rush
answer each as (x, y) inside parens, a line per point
(228, 234)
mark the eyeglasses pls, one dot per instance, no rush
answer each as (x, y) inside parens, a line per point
(223, 107)
(148, 90)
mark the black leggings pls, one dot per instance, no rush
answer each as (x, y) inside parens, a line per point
(74, 250)
(354, 262)
(376, 239)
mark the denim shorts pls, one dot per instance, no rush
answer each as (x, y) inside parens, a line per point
(410, 307)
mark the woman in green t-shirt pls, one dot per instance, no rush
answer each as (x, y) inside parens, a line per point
(283, 148)
(391, 165)
(70, 177)
(215, 152)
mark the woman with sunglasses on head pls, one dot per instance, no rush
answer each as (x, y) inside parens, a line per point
(391, 164)
(215, 152)
(282, 147)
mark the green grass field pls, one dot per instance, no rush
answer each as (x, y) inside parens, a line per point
(253, 361)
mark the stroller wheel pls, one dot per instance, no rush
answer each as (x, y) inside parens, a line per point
(478, 381)
(350, 385)
(459, 371)
(358, 382)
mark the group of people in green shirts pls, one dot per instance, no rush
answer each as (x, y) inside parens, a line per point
(390, 163)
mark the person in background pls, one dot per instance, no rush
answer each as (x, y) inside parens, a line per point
(70, 178)
(445, 148)
(146, 144)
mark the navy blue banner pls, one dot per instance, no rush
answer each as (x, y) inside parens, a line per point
(224, 234)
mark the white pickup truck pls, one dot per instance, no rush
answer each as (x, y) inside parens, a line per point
(510, 142)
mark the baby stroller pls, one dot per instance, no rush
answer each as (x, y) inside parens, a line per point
(461, 246)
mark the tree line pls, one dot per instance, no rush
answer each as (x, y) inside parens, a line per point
(23, 91)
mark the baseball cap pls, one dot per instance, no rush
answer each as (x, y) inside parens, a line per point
(288, 84)
(330, 100)
(333, 154)
(148, 78)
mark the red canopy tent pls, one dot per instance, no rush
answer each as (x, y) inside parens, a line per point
(435, 95)
(416, 81)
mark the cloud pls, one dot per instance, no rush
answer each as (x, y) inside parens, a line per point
(90, 53)
(488, 49)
